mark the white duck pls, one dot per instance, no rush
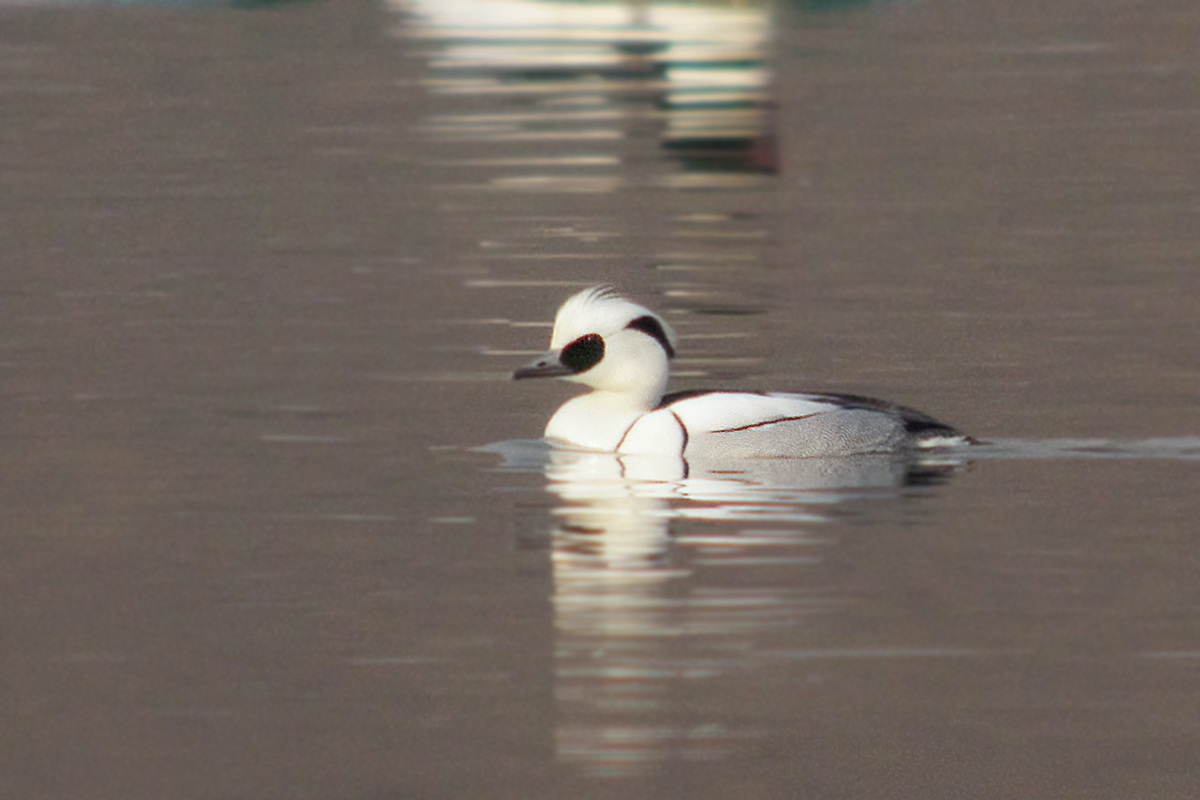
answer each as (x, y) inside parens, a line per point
(623, 350)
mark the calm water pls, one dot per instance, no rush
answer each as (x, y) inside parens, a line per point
(276, 524)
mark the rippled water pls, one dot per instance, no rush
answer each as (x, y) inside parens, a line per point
(277, 522)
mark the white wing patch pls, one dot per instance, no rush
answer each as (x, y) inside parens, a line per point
(734, 411)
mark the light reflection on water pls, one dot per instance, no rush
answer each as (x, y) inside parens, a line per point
(586, 78)
(638, 546)
(635, 544)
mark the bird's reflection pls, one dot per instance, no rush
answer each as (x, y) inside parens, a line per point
(654, 589)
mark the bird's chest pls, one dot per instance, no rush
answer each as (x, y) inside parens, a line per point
(592, 423)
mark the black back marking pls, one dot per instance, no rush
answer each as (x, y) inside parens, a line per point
(583, 353)
(673, 397)
(683, 430)
(653, 328)
(916, 423)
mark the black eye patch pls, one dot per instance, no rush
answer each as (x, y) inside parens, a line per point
(583, 353)
(654, 328)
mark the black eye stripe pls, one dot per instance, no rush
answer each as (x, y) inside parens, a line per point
(583, 353)
(652, 327)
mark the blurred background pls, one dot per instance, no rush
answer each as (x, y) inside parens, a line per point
(273, 520)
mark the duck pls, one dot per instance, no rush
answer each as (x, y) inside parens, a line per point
(623, 351)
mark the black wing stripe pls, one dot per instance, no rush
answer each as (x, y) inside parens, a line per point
(775, 421)
(683, 430)
(687, 394)
(683, 448)
(617, 449)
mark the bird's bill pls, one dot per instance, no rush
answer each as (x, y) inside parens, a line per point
(547, 365)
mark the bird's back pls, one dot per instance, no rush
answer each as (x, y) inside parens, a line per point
(771, 425)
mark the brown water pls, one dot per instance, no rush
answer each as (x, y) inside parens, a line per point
(265, 275)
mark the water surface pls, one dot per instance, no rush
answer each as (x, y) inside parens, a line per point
(276, 522)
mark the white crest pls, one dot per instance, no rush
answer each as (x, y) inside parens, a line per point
(601, 310)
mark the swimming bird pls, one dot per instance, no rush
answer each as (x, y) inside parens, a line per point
(623, 352)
